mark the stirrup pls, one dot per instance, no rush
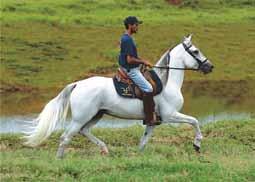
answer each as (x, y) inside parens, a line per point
(154, 122)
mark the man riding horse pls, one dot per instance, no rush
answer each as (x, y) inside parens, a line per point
(91, 98)
(130, 63)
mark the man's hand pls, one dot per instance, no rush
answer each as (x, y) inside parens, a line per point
(133, 60)
(147, 63)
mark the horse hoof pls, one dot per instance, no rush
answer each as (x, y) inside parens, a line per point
(141, 149)
(197, 148)
(104, 151)
(60, 156)
(60, 153)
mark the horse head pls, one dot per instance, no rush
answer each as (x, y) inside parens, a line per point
(194, 58)
(184, 56)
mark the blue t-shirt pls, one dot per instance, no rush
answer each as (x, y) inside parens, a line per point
(127, 47)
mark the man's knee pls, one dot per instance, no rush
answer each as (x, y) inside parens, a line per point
(148, 89)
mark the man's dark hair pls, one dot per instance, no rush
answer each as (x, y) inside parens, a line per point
(126, 26)
(131, 20)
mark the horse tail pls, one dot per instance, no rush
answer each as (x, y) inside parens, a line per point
(55, 111)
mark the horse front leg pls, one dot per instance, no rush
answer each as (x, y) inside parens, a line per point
(146, 136)
(182, 118)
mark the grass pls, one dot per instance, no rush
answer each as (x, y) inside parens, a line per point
(46, 56)
(94, 12)
(227, 155)
(49, 44)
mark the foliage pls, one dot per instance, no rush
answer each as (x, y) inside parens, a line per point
(227, 155)
(208, 4)
(92, 13)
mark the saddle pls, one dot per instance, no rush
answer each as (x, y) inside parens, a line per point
(125, 87)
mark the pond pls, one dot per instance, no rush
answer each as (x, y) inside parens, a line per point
(207, 101)
(17, 124)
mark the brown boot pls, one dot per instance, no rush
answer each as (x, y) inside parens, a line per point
(150, 115)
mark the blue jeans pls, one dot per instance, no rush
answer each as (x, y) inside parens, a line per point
(136, 76)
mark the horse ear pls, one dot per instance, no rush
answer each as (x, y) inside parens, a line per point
(188, 38)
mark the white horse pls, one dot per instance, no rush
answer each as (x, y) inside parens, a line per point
(89, 99)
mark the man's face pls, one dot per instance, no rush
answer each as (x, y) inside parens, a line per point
(134, 28)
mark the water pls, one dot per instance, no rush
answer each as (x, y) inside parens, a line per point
(207, 101)
(17, 124)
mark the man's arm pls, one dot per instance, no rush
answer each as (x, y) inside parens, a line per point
(133, 60)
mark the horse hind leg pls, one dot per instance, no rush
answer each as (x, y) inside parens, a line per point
(66, 137)
(85, 131)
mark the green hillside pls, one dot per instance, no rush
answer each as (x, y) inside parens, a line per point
(47, 44)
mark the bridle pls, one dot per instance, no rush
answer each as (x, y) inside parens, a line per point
(200, 62)
(187, 49)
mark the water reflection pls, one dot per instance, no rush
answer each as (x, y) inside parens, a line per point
(201, 98)
(17, 124)
(209, 101)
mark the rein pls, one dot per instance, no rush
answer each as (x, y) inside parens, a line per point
(173, 68)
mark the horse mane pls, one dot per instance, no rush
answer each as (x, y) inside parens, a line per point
(163, 62)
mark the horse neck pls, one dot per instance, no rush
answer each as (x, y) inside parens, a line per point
(176, 77)
(170, 77)
(162, 73)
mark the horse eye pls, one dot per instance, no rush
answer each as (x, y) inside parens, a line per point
(196, 51)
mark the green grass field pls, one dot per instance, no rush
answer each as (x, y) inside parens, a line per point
(47, 44)
(227, 154)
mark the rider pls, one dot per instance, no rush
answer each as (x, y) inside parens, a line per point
(130, 63)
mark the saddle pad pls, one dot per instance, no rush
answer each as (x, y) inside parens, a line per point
(128, 91)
